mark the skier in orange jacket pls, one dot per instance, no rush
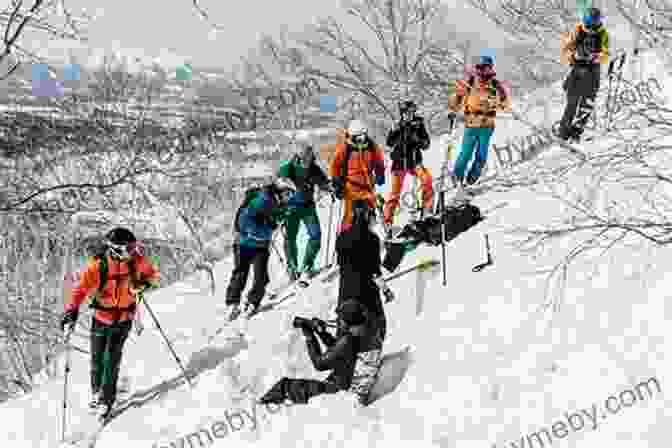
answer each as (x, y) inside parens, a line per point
(357, 166)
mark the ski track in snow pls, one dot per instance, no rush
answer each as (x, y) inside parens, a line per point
(485, 365)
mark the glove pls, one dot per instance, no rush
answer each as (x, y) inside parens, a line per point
(338, 186)
(319, 325)
(307, 331)
(69, 318)
(380, 179)
(380, 200)
(387, 292)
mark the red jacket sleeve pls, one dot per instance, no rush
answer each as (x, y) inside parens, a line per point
(150, 274)
(86, 283)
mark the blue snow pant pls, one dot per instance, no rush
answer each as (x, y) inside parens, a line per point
(473, 137)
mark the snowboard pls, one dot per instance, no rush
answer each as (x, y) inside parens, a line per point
(392, 371)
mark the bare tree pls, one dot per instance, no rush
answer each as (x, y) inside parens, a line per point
(411, 51)
(22, 20)
(107, 152)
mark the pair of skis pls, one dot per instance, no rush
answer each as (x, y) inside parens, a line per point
(424, 265)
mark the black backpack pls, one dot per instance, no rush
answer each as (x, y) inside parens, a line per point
(587, 43)
(458, 219)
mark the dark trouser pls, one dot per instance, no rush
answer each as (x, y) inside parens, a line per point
(107, 344)
(581, 86)
(298, 390)
(244, 257)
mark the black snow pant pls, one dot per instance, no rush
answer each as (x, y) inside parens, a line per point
(581, 87)
(244, 258)
(298, 390)
(107, 345)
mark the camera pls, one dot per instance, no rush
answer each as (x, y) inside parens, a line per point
(302, 322)
(312, 324)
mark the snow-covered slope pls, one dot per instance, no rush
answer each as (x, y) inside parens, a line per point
(487, 365)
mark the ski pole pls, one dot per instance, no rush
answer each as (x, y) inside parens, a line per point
(331, 217)
(618, 83)
(610, 72)
(488, 262)
(277, 252)
(65, 380)
(442, 204)
(170, 347)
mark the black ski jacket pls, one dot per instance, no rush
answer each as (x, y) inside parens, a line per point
(341, 353)
(358, 257)
(408, 140)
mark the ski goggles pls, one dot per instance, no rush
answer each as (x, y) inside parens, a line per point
(359, 141)
(118, 250)
(125, 250)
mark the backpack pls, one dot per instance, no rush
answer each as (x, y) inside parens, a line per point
(346, 160)
(458, 219)
(587, 44)
(250, 193)
(99, 254)
(495, 86)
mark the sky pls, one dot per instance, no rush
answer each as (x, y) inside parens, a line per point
(175, 33)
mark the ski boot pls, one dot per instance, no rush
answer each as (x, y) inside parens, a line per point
(306, 277)
(95, 401)
(104, 410)
(232, 312)
(293, 275)
(250, 310)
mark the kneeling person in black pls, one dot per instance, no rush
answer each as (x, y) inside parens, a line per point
(353, 356)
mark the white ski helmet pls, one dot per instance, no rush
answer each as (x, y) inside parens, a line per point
(359, 134)
(357, 127)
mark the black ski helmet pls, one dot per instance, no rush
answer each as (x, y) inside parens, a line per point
(352, 312)
(119, 242)
(361, 212)
(407, 106)
(120, 236)
(593, 18)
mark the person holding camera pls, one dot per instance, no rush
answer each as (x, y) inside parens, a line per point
(353, 355)
(408, 140)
